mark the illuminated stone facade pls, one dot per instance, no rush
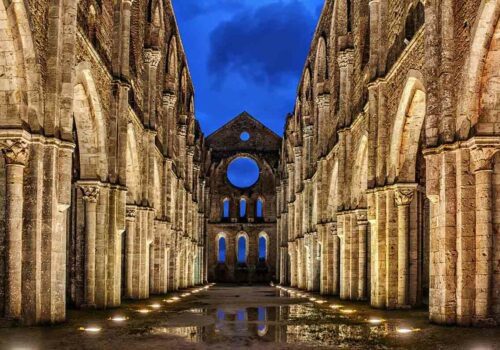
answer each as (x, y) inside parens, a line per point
(390, 172)
(245, 221)
(101, 192)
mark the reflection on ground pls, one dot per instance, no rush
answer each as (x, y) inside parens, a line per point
(246, 317)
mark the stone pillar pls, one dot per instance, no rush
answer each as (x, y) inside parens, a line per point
(374, 36)
(335, 260)
(362, 251)
(403, 198)
(391, 235)
(323, 103)
(90, 197)
(346, 64)
(308, 151)
(344, 268)
(294, 264)
(122, 38)
(181, 134)
(131, 214)
(16, 153)
(482, 164)
(298, 168)
(151, 60)
(169, 101)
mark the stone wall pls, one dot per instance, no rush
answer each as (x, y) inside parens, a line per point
(102, 189)
(224, 146)
(404, 208)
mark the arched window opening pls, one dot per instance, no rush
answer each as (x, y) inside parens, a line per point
(349, 15)
(365, 58)
(225, 209)
(259, 209)
(414, 21)
(321, 63)
(242, 250)
(92, 28)
(262, 248)
(221, 315)
(221, 254)
(243, 208)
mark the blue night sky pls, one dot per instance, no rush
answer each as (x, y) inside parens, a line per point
(246, 55)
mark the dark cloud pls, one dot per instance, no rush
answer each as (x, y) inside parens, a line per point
(189, 9)
(267, 44)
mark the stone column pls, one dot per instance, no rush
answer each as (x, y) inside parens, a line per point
(16, 153)
(122, 38)
(362, 262)
(374, 36)
(149, 190)
(169, 101)
(335, 260)
(131, 214)
(482, 164)
(403, 198)
(181, 134)
(343, 270)
(298, 168)
(323, 103)
(151, 60)
(346, 64)
(90, 197)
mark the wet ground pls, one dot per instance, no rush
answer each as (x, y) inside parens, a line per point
(231, 317)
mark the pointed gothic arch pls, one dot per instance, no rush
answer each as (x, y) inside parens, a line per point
(470, 94)
(407, 130)
(90, 127)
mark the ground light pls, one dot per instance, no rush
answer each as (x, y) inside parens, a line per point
(143, 311)
(156, 306)
(375, 320)
(404, 330)
(118, 318)
(320, 301)
(348, 311)
(90, 329)
(336, 306)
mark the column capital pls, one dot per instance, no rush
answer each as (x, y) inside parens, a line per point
(152, 57)
(482, 158)
(323, 101)
(15, 151)
(346, 58)
(332, 229)
(131, 213)
(308, 131)
(404, 195)
(90, 193)
(362, 217)
(297, 151)
(169, 99)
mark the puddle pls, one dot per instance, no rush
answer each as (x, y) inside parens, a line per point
(234, 317)
(288, 324)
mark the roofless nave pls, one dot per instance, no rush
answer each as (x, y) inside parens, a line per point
(385, 187)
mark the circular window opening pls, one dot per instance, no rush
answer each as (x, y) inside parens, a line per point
(244, 136)
(243, 172)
